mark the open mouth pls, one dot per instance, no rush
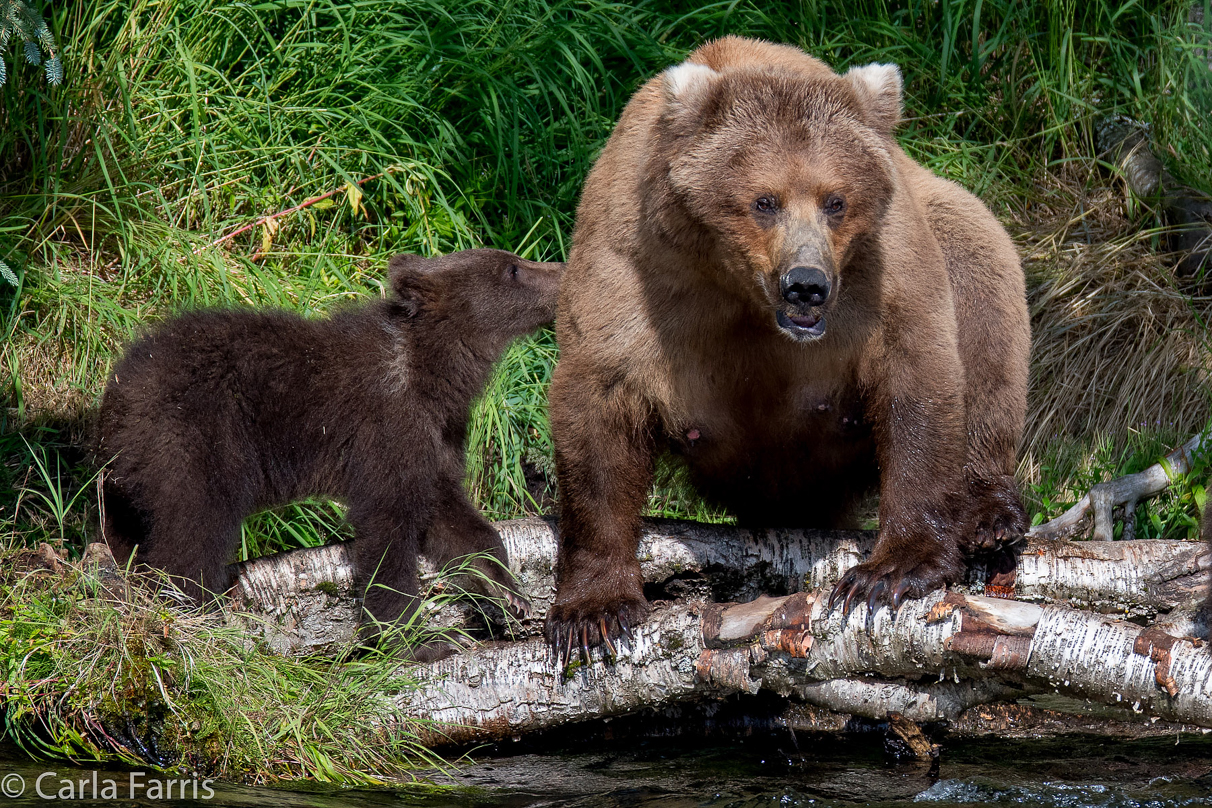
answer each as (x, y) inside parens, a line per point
(801, 326)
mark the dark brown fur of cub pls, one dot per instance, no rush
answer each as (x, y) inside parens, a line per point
(762, 282)
(217, 414)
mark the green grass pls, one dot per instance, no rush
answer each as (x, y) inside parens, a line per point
(100, 666)
(180, 121)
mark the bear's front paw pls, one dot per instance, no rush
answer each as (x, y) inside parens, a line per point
(889, 577)
(495, 582)
(585, 620)
(996, 514)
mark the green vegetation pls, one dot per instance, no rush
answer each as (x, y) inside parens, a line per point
(99, 666)
(443, 125)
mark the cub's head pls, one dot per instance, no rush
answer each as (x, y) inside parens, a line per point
(789, 171)
(489, 292)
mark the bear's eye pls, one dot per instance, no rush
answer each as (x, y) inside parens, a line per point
(513, 271)
(835, 205)
(765, 204)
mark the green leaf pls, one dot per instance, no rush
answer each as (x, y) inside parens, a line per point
(32, 54)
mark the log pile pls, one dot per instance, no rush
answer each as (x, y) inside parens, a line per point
(719, 634)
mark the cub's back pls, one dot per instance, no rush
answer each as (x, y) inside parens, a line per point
(240, 378)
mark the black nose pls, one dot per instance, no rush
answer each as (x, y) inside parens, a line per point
(805, 286)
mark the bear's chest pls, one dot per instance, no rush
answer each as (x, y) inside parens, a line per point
(792, 419)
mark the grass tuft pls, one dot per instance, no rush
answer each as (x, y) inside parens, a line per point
(104, 664)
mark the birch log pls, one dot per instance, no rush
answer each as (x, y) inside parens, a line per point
(303, 601)
(935, 658)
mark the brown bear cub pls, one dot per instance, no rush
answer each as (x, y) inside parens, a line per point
(217, 414)
(763, 283)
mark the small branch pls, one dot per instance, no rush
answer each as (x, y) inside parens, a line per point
(1125, 491)
(306, 204)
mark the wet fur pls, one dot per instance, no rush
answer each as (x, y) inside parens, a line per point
(217, 414)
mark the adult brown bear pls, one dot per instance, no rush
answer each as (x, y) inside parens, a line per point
(216, 414)
(762, 282)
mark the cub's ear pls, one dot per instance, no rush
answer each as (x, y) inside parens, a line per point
(405, 273)
(688, 86)
(879, 89)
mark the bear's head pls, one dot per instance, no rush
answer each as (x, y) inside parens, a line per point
(781, 173)
(488, 292)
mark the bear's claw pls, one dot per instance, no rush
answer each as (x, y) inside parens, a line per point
(998, 518)
(887, 579)
(584, 627)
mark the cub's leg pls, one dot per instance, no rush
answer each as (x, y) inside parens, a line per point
(194, 532)
(124, 525)
(459, 531)
(385, 546)
(604, 460)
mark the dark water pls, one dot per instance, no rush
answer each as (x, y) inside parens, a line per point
(771, 770)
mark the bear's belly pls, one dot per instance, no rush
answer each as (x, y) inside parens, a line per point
(803, 464)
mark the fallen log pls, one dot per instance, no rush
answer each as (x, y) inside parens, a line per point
(1125, 143)
(303, 602)
(934, 658)
(932, 661)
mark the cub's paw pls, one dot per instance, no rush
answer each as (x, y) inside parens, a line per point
(996, 517)
(495, 582)
(504, 591)
(891, 576)
(583, 621)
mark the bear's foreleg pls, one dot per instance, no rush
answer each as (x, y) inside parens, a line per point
(995, 405)
(604, 462)
(917, 413)
(459, 535)
(385, 546)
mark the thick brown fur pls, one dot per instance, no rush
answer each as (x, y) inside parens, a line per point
(217, 414)
(762, 282)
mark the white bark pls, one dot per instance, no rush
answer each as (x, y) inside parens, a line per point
(303, 601)
(934, 659)
(1136, 578)
(931, 661)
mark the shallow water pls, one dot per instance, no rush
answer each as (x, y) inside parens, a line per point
(770, 770)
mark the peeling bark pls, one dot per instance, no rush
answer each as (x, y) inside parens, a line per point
(934, 659)
(971, 650)
(303, 601)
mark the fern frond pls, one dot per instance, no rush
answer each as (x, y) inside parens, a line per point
(6, 272)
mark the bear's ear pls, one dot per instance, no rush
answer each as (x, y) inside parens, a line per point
(688, 85)
(405, 273)
(879, 88)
